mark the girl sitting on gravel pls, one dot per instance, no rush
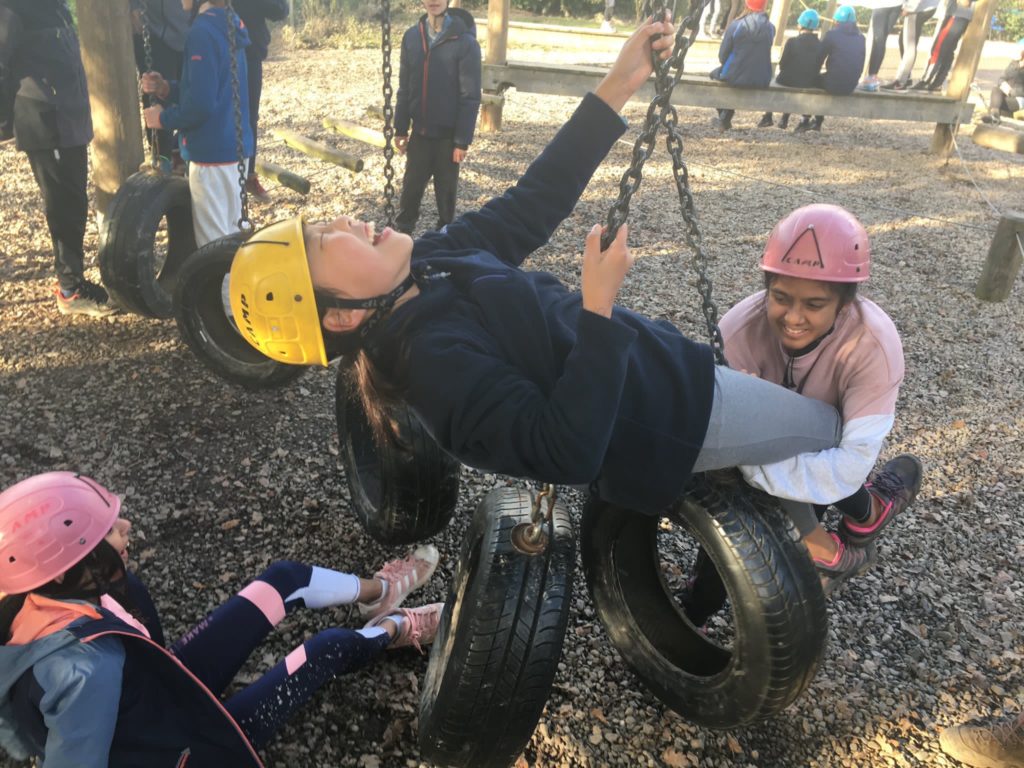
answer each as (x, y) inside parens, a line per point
(85, 678)
(508, 369)
(810, 332)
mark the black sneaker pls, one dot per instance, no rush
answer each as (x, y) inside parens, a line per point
(88, 299)
(849, 561)
(920, 85)
(802, 127)
(991, 119)
(986, 742)
(895, 85)
(895, 487)
(784, 122)
(720, 124)
(766, 121)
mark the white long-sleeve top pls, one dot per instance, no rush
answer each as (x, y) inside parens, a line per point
(857, 368)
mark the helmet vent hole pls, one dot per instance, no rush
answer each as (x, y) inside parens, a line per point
(856, 246)
(12, 559)
(270, 296)
(68, 523)
(298, 297)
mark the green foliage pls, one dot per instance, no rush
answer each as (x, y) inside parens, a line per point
(338, 24)
(1008, 23)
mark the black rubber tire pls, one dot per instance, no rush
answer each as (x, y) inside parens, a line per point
(207, 329)
(401, 495)
(500, 639)
(778, 608)
(127, 257)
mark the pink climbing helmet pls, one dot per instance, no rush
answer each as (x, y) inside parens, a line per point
(48, 523)
(819, 242)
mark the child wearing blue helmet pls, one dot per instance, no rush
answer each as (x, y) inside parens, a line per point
(842, 54)
(798, 67)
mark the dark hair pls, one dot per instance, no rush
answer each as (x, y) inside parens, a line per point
(101, 572)
(846, 292)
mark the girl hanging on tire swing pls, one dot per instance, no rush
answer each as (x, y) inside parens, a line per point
(509, 370)
(810, 332)
(85, 679)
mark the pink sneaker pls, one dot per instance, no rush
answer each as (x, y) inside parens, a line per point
(402, 577)
(418, 628)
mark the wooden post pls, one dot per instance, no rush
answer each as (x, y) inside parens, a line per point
(319, 150)
(283, 176)
(355, 131)
(497, 48)
(104, 27)
(1004, 259)
(779, 15)
(963, 71)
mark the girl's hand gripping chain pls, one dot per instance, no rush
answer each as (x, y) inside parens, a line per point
(604, 271)
(633, 66)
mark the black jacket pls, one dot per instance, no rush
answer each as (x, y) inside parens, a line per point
(39, 50)
(1014, 76)
(439, 83)
(799, 65)
(842, 53)
(255, 14)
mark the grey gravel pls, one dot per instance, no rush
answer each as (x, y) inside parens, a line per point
(220, 481)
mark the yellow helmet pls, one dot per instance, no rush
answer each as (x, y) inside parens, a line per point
(272, 295)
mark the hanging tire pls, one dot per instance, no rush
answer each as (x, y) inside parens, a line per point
(401, 494)
(497, 648)
(780, 623)
(139, 272)
(207, 327)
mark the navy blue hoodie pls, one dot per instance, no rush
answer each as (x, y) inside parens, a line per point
(842, 53)
(201, 106)
(510, 374)
(439, 81)
(746, 52)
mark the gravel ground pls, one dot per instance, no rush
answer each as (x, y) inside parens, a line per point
(220, 481)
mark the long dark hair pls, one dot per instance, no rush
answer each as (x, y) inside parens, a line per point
(101, 572)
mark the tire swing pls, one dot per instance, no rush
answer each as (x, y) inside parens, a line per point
(500, 638)
(201, 308)
(746, 549)
(139, 272)
(403, 491)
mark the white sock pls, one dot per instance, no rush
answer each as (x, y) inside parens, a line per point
(327, 588)
(371, 632)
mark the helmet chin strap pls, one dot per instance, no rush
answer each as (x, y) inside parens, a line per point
(381, 303)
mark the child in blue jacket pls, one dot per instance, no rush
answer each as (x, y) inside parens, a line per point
(201, 108)
(439, 94)
(842, 55)
(745, 55)
(85, 679)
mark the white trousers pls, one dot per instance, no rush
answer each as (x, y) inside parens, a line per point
(216, 204)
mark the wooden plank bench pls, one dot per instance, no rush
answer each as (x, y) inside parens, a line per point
(696, 90)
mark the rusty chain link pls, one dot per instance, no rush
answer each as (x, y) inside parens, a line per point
(147, 47)
(244, 222)
(661, 114)
(389, 115)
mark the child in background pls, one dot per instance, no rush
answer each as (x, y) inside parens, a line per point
(745, 55)
(799, 65)
(958, 16)
(85, 678)
(884, 15)
(916, 13)
(201, 108)
(842, 55)
(1008, 96)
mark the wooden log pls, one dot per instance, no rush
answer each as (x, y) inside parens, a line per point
(355, 131)
(497, 51)
(283, 176)
(319, 150)
(106, 36)
(1004, 259)
(999, 137)
(964, 68)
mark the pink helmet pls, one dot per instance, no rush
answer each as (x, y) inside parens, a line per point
(48, 523)
(819, 242)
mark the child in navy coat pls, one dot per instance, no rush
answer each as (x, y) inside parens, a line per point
(745, 55)
(799, 65)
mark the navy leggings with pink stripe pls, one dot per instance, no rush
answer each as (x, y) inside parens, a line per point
(216, 648)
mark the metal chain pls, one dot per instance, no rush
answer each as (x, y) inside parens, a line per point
(244, 222)
(661, 114)
(389, 114)
(147, 46)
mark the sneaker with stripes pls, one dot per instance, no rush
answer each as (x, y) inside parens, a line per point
(400, 578)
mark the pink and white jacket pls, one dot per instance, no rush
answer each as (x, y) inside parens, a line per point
(857, 368)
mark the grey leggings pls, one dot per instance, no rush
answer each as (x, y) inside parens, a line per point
(756, 422)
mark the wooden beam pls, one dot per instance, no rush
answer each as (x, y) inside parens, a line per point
(1004, 259)
(497, 48)
(104, 28)
(778, 16)
(700, 91)
(283, 176)
(319, 150)
(355, 131)
(964, 67)
(999, 137)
